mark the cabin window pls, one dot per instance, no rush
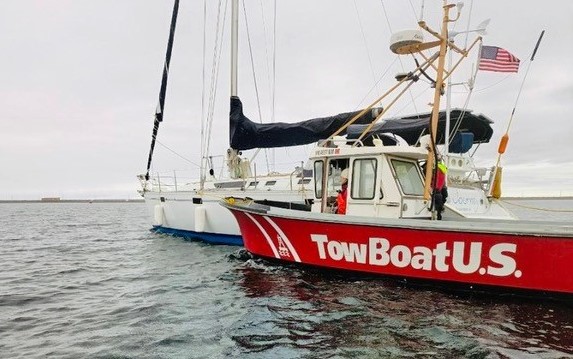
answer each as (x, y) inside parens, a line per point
(318, 169)
(253, 183)
(304, 181)
(270, 183)
(234, 184)
(364, 178)
(408, 177)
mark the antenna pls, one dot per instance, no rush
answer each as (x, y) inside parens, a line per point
(482, 26)
(495, 189)
(480, 29)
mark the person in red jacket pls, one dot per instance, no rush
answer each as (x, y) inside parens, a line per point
(440, 190)
(343, 193)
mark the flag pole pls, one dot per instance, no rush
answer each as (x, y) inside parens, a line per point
(495, 188)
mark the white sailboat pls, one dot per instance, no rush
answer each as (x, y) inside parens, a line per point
(191, 210)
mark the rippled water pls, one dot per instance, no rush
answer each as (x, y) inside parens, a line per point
(90, 280)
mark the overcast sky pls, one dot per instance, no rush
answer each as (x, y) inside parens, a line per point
(79, 82)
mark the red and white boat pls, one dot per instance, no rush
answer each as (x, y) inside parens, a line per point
(390, 227)
(511, 254)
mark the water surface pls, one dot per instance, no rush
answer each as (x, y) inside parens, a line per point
(90, 280)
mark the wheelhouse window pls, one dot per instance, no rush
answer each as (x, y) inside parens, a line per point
(318, 171)
(364, 178)
(408, 177)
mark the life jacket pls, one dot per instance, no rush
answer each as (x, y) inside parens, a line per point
(441, 176)
(341, 199)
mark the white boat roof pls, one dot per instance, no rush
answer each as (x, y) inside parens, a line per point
(412, 152)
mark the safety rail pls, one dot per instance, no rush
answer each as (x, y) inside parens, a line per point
(166, 182)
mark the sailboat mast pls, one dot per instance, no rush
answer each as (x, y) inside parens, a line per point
(159, 111)
(234, 45)
(233, 160)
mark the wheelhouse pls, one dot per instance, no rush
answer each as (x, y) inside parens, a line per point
(383, 181)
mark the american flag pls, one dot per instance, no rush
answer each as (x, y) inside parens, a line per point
(493, 58)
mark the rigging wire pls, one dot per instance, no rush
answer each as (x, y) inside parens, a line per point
(422, 92)
(544, 209)
(524, 78)
(270, 80)
(267, 61)
(492, 85)
(399, 59)
(457, 123)
(496, 190)
(375, 86)
(520, 90)
(254, 74)
(468, 26)
(203, 85)
(273, 103)
(366, 45)
(215, 71)
(177, 154)
(414, 10)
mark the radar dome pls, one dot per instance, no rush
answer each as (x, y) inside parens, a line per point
(405, 38)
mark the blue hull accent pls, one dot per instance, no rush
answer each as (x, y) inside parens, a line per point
(211, 238)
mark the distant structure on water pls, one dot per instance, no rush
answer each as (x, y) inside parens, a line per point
(51, 199)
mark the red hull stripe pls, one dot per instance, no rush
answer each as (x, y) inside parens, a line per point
(266, 235)
(495, 259)
(282, 236)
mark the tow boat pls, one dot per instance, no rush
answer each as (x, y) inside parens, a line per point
(390, 225)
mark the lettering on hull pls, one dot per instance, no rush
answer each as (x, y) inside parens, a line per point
(460, 257)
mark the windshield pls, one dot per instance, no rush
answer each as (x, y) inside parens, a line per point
(408, 177)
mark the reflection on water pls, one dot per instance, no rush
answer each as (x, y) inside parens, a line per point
(308, 312)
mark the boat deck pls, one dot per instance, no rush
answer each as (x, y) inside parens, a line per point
(514, 227)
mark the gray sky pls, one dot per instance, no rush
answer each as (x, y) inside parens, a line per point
(79, 81)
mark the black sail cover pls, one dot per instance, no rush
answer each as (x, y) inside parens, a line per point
(410, 128)
(245, 134)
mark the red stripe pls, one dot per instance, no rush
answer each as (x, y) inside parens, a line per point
(498, 66)
(503, 62)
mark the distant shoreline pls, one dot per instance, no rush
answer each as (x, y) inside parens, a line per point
(142, 200)
(540, 197)
(72, 201)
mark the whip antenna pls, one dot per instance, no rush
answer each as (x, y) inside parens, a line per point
(525, 77)
(495, 189)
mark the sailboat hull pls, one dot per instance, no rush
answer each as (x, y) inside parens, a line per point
(198, 216)
(503, 254)
(212, 238)
(175, 213)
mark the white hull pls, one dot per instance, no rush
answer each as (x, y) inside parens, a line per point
(198, 214)
(473, 203)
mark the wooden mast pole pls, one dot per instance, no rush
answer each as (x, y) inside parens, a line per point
(436, 103)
